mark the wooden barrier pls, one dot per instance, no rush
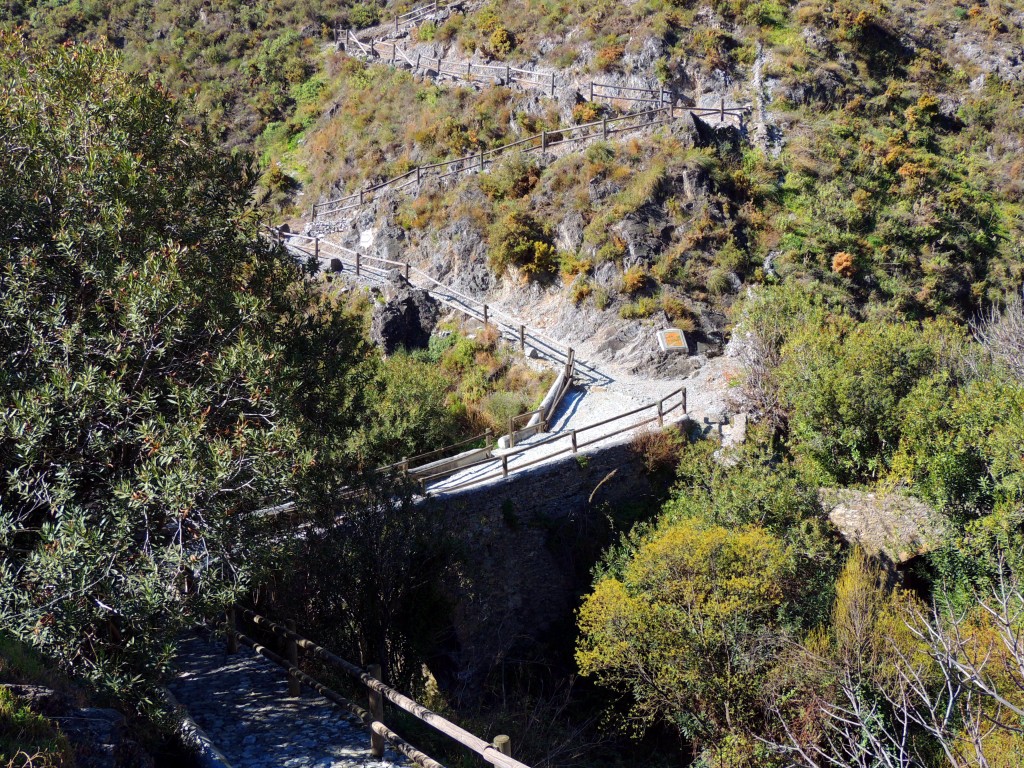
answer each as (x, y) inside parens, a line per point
(374, 726)
(478, 160)
(575, 444)
(496, 754)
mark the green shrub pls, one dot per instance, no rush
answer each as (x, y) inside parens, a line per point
(641, 308)
(586, 112)
(570, 265)
(363, 15)
(718, 282)
(608, 57)
(517, 240)
(634, 280)
(426, 32)
(511, 178)
(502, 406)
(580, 290)
(502, 42)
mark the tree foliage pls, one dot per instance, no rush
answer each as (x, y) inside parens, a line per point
(157, 387)
(689, 614)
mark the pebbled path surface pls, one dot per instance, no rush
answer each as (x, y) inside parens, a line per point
(240, 701)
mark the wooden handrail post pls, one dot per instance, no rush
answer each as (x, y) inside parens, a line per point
(722, 108)
(407, 270)
(394, 52)
(294, 688)
(418, 174)
(376, 712)
(504, 466)
(405, 466)
(417, 63)
(469, 69)
(544, 141)
(316, 248)
(591, 90)
(574, 446)
(522, 338)
(552, 85)
(684, 399)
(508, 75)
(481, 159)
(232, 637)
(661, 413)
(360, 197)
(511, 432)
(503, 744)
(359, 260)
(604, 128)
(396, 32)
(485, 315)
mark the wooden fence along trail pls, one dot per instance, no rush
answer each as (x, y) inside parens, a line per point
(375, 271)
(495, 467)
(497, 753)
(437, 465)
(657, 108)
(478, 161)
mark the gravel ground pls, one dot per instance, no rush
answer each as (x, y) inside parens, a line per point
(240, 701)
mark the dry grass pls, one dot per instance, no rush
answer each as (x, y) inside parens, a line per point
(658, 449)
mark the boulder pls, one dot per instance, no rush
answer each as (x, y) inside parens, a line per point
(893, 526)
(406, 319)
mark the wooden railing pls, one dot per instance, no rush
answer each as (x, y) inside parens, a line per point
(373, 268)
(410, 465)
(465, 70)
(658, 96)
(497, 753)
(401, 21)
(571, 436)
(538, 142)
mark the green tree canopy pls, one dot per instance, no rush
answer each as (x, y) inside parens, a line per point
(688, 614)
(163, 373)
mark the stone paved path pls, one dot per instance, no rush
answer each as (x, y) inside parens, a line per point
(240, 702)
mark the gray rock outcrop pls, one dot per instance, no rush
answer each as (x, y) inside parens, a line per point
(406, 319)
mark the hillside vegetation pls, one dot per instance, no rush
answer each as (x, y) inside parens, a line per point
(168, 373)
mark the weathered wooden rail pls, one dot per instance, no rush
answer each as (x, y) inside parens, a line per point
(505, 74)
(338, 258)
(503, 468)
(378, 270)
(477, 161)
(612, 91)
(497, 753)
(402, 21)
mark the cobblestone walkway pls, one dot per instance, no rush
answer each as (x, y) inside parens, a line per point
(240, 702)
